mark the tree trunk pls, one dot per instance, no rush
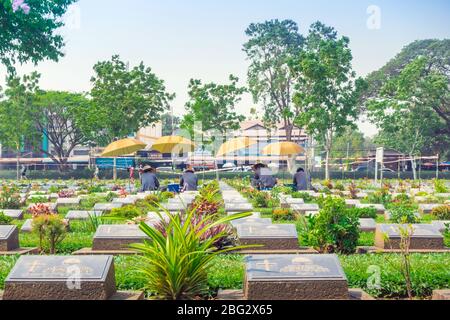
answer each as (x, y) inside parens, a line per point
(327, 164)
(18, 164)
(413, 166)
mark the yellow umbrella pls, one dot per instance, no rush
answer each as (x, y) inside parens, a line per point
(283, 149)
(123, 147)
(169, 144)
(235, 145)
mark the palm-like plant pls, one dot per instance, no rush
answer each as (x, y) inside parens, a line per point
(175, 261)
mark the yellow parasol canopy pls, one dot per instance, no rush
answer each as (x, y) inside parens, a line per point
(123, 147)
(235, 145)
(283, 149)
(170, 144)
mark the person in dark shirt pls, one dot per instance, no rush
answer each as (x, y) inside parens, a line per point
(301, 180)
(149, 180)
(189, 180)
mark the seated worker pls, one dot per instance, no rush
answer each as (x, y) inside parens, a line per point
(266, 179)
(149, 180)
(189, 180)
(301, 180)
(255, 180)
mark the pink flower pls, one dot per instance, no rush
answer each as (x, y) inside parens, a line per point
(20, 4)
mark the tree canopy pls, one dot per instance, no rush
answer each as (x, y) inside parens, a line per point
(125, 100)
(29, 35)
(271, 45)
(213, 105)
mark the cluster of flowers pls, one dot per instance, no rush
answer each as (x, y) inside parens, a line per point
(20, 4)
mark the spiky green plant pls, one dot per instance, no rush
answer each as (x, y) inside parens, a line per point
(176, 261)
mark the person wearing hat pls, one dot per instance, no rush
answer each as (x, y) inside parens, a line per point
(149, 180)
(189, 180)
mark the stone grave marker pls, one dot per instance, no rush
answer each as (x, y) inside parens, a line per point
(9, 238)
(116, 237)
(367, 225)
(303, 208)
(82, 214)
(67, 202)
(351, 203)
(424, 237)
(125, 201)
(107, 206)
(174, 207)
(295, 277)
(441, 225)
(13, 213)
(426, 208)
(251, 220)
(238, 207)
(61, 278)
(270, 236)
(27, 226)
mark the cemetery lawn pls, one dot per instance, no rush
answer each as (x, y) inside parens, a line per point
(430, 272)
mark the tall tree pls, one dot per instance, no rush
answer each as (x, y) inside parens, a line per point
(28, 30)
(125, 100)
(404, 110)
(437, 53)
(326, 91)
(271, 45)
(213, 105)
(16, 123)
(60, 117)
(170, 123)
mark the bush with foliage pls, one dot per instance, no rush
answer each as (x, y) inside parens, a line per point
(441, 212)
(40, 209)
(303, 195)
(401, 213)
(4, 219)
(51, 230)
(66, 194)
(364, 212)
(352, 188)
(10, 197)
(334, 229)
(281, 214)
(126, 212)
(175, 263)
(439, 186)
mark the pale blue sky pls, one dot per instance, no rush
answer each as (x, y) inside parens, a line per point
(203, 38)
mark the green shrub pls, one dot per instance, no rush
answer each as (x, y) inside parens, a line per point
(364, 212)
(126, 212)
(441, 212)
(10, 197)
(176, 262)
(439, 186)
(334, 229)
(403, 214)
(282, 215)
(303, 195)
(51, 230)
(4, 219)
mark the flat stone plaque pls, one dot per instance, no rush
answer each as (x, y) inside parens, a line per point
(125, 201)
(441, 225)
(9, 238)
(294, 277)
(352, 202)
(27, 226)
(270, 236)
(61, 278)
(117, 237)
(107, 206)
(13, 213)
(238, 207)
(251, 221)
(426, 208)
(425, 236)
(367, 225)
(82, 214)
(254, 214)
(174, 207)
(302, 208)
